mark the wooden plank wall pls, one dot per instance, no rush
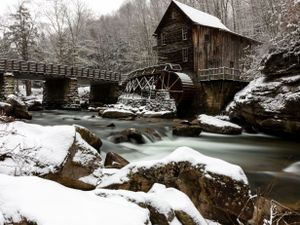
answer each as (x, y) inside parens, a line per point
(220, 50)
(171, 51)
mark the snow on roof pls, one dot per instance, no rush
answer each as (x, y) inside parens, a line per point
(200, 17)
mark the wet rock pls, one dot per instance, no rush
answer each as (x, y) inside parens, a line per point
(113, 160)
(219, 190)
(186, 129)
(214, 125)
(128, 135)
(57, 153)
(20, 109)
(90, 137)
(117, 113)
(271, 103)
(152, 134)
(111, 125)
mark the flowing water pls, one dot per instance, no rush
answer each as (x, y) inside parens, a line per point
(272, 164)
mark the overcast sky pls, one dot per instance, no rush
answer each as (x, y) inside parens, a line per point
(99, 7)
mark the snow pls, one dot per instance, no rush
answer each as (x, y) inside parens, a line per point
(40, 149)
(164, 200)
(4, 104)
(181, 154)
(200, 17)
(48, 203)
(118, 110)
(205, 119)
(177, 200)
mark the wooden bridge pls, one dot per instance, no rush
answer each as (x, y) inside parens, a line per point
(61, 82)
(42, 71)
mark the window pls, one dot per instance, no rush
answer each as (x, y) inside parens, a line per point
(206, 37)
(185, 55)
(163, 39)
(231, 64)
(184, 33)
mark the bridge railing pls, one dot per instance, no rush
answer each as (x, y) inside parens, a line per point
(221, 73)
(57, 70)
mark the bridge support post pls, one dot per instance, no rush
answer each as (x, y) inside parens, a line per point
(104, 93)
(7, 85)
(61, 94)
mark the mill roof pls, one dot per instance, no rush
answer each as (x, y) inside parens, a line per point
(201, 18)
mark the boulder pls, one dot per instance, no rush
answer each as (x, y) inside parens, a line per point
(159, 114)
(20, 109)
(57, 153)
(117, 113)
(34, 105)
(166, 205)
(219, 190)
(113, 160)
(128, 135)
(186, 129)
(36, 201)
(214, 125)
(5, 108)
(90, 137)
(271, 103)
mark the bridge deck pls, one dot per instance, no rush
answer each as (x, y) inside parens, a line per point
(46, 71)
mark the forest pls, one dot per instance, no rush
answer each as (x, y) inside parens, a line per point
(67, 32)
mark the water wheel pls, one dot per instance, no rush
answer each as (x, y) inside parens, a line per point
(179, 85)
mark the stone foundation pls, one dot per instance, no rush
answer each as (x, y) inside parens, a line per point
(7, 85)
(104, 93)
(161, 102)
(212, 97)
(61, 94)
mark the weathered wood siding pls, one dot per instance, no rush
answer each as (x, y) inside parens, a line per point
(218, 49)
(171, 50)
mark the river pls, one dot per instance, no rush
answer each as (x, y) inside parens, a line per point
(264, 158)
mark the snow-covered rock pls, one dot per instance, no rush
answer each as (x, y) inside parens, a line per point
(55, 152)
(5, 108)
(166, 205)
(32, 200)
(19, 108)
(271, 103)
(90, 137)
(217, 188)
(117, 113)
(215, 125)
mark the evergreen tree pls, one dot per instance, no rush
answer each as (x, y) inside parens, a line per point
(23, 34)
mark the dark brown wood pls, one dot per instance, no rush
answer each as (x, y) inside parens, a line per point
(203, 47)
(32, 69)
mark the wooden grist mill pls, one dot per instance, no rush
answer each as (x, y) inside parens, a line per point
(199, 61)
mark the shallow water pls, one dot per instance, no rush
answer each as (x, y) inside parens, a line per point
(271, 163)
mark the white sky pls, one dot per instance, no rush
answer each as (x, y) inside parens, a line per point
(99, 7)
